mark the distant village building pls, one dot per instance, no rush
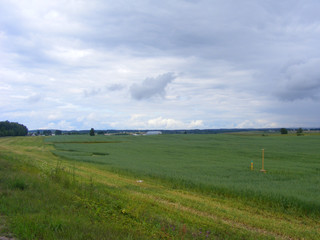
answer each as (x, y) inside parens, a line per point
(153, 132)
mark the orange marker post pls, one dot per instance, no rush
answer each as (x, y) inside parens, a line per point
(262, 169)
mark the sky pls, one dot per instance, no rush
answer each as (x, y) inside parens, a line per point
(170, 64)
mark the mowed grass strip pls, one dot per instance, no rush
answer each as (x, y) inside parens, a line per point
(61, 197)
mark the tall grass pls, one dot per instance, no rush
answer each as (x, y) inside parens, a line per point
(56, 206)
(48, 197)
(213, 164)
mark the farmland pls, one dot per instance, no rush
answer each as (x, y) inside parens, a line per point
(184, 186)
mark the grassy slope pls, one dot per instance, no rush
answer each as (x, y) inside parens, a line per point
(46, 197)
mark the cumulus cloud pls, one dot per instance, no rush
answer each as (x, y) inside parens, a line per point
(164, 123)
(169, 123)
(65, 125)
(259, 123)
(195, 124)
(142, 121)
(151, 87)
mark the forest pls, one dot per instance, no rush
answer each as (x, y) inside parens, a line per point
(12, 129)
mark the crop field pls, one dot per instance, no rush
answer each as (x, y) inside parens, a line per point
(161, 187)
(218, 163)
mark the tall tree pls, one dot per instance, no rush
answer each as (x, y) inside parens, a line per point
(300, 132)
(91, 132)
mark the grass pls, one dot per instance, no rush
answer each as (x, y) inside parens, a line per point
(212, 163)
(89, 188)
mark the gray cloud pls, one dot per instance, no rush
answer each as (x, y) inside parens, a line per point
(151, 86)
(34, 98)
(92, 92)
(101, 91)
(115, 87)
(301, 80)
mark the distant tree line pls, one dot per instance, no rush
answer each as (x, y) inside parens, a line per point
(12, 129)
(47, 132)
(93, 132)
(58, 132)
(285, 131)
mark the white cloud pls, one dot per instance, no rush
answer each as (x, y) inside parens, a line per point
(69, 55)
(259, 123)
(65, 125)
(196, 124)
(141, 121)
(163, 123)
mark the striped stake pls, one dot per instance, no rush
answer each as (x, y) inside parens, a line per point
(251, 164)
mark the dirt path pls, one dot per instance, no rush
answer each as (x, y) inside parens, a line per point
(6, 238)
(4, 235)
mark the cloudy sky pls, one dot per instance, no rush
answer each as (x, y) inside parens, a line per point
(171, 64)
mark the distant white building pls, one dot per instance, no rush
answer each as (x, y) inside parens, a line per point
(153, 132)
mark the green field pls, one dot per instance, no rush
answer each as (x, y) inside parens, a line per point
(193, 187)
(218, 163)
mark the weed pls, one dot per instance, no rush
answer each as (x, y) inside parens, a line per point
(18, 183)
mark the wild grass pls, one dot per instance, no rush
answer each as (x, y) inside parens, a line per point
(85, 196)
